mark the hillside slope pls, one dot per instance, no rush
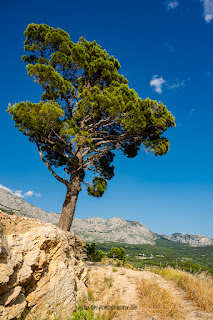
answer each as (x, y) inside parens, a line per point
(91, 229)
(125, 294)
(190, 239)
(98, 229)
(10, 203)
(114, 229)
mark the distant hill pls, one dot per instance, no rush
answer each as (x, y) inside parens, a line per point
(91, 229)
(114, 229)
(98, 229)
(190, 239)
(10, 203)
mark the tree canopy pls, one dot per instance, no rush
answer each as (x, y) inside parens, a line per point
(87, 112)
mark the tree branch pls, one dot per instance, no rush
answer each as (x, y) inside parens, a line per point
(92, 126)
(87, 183)
(67, 144)
(50, 169)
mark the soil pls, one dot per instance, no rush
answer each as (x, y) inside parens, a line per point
(116, 288)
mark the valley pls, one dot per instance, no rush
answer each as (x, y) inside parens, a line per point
(166, 253)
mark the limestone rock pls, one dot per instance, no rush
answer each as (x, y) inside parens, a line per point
(190, 239)
(40, 268)
(114, 230)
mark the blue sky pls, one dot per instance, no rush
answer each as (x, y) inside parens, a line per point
(166, 52)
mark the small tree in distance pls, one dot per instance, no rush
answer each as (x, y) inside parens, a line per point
(93, 254)
(117, 253)
(87, 111)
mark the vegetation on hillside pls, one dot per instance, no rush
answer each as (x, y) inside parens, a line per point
(166, 253)
(93, 254)
(118, 253)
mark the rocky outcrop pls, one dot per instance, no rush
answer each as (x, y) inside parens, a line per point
(114, 230)
(12, 204)
(40, 269)
(190, 239)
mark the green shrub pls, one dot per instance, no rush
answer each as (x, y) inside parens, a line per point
(82, 314)
(93, 254)
(117, 253)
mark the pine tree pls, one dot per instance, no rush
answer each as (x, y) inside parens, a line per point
(87, 112)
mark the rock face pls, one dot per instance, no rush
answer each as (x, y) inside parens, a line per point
(114, 230)
(40, 269)
(190, 239)
(12, 204)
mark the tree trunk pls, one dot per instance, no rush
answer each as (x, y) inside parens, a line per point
(68, 210)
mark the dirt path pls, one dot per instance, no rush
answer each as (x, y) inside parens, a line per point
(190, 312)
(117, 287)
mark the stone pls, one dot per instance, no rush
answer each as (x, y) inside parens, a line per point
(41, 269)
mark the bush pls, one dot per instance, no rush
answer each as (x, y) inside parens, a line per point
(93, 254)
(117, 253)
(88, 314)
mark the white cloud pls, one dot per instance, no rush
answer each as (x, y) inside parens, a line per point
(19, 193)
(157, 82)
(176, 85)
(172, 5)
(208, 17)
(31, 193)
(208, 10)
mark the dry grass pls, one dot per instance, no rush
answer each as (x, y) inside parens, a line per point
(98, 287)
(101, 293)
(116, 262)
(157, 301)
(198, 287)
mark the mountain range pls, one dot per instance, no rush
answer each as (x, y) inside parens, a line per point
(98, 229)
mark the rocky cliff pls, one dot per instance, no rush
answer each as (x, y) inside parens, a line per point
(12, 204)
(114, 229)
(190, 239)
(40, 269)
